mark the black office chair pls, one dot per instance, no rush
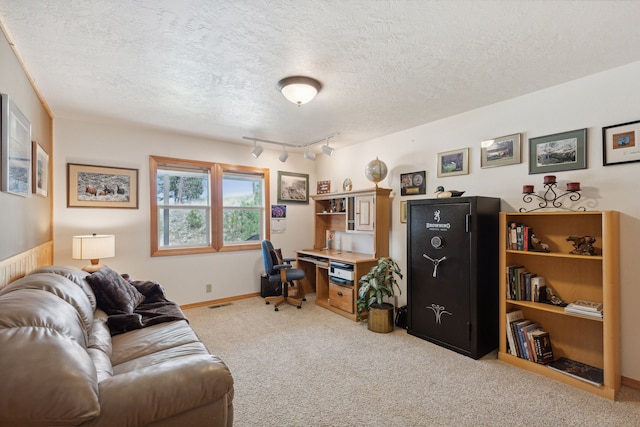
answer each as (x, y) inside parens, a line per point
(281, 272)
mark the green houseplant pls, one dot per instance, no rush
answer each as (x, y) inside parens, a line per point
(377, 284)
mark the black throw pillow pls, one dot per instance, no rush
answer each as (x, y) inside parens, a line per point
(114, 294)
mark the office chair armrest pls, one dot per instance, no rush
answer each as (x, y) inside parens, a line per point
(281, 266)
(288, 260)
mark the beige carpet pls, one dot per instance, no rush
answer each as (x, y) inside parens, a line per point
(310, 367)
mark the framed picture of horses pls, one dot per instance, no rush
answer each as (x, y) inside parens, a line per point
(90, 186)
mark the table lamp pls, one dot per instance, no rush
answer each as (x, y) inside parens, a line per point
(93, 247)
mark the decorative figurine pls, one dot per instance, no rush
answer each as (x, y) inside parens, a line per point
(553, 299)
(538, 245)
(582, 245)
(441, 194)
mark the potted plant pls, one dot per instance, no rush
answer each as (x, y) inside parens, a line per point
(377, 284)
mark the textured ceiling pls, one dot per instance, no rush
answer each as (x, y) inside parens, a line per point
(210, 67)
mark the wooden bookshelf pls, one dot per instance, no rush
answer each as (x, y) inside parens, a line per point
(593, 341)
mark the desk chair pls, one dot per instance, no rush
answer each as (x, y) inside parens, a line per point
(281, 272)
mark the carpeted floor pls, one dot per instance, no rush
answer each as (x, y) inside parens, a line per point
(311, 367)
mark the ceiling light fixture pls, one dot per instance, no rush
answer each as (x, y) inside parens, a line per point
(299, 89)
(309, 155)
(257, 150)
(326, 149)
(284, 155)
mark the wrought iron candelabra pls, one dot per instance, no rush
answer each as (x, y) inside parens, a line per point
(550, 199)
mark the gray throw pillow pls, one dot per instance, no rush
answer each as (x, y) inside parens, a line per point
(114, 294)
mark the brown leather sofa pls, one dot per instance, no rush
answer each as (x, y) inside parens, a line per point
(60, 366)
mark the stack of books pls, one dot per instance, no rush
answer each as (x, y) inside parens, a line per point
(528, 340)
(578, 370)
(585, 308)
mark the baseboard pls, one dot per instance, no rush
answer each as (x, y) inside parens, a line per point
(631, 383)
(219, 301)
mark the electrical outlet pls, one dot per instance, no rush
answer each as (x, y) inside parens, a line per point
(207, 287)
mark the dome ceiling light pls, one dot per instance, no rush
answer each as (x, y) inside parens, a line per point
(299, 89)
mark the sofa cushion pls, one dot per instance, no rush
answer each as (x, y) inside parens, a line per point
(74, 274)
(62, 288)
(114, 294)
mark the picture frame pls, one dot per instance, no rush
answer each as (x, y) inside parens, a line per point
(91, 186)
(454, 162)
(501, 151)
(558, 152)
(16, 149)
(40, 178)
(403, 211)
(413, 183)
(621, 143)
(323, 187)
(293, 187)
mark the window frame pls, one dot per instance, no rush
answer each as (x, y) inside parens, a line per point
(216, 173)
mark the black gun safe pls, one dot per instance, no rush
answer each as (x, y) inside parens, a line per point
(452, 272)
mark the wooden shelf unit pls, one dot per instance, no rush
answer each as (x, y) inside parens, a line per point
(593, 341)
(363, 212)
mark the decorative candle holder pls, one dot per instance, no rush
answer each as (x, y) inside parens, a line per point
(550, 199)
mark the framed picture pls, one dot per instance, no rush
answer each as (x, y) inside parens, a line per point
(413, 183)
(501, 151)
(323, 187)
(620, 143)
(455, 162)
(91, 186)
(403, 211)
(16, 149)
(293, 187)
(40, 178)
(559, 152)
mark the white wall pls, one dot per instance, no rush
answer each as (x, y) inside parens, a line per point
(600, 100)
(184, 277)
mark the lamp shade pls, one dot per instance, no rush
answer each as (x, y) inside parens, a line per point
(93, 247)
(299, 89)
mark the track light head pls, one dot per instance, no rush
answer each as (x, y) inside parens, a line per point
(284, 155)
(327, 150)
(257, 150)
(309, 155)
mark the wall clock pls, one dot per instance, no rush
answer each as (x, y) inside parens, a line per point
(346, 185)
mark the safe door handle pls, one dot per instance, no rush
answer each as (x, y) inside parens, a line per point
(435, 262)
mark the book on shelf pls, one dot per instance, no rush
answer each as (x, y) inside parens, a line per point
(542, 347)
(512, 317)
(539, 289)
(519, 236)
(585, 308)
(578, 370)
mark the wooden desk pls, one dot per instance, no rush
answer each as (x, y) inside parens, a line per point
(337, 297)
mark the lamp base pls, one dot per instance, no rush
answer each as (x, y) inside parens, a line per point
(92, 268)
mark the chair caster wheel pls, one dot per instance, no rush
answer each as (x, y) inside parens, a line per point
(304, 299)
(267, 302)
(299, 307)
(276, 309)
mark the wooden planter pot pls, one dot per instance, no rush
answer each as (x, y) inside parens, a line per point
(381, 317)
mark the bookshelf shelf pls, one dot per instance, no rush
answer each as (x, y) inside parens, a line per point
(590, 340)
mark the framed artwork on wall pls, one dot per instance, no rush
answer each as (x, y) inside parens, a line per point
(620, 143)
(413, 183)
(40, 179)
(293, 187)
(323, 187)
(454, 162)
(16, 149)
(558, 152)
(403, 211)
(90, 186)
(501, 151)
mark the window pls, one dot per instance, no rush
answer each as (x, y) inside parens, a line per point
(201, 207)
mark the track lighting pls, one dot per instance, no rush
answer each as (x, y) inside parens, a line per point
(326, 149)
(309, 155)
(257, 150)
(284, 155)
